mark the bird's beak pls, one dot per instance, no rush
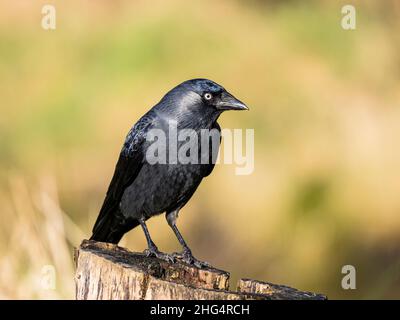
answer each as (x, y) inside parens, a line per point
(229, 102)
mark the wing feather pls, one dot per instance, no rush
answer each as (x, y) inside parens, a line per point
(129, 163)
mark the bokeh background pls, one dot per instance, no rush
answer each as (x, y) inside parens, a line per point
(325, 106)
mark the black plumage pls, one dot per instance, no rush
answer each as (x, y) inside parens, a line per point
(139, 189)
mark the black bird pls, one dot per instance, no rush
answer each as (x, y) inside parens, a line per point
(139, 189)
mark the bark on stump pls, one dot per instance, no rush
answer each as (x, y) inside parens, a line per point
(106, 271)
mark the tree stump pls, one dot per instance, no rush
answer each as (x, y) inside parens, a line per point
(105, 271)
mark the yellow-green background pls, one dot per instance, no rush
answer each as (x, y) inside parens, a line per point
(324, 105)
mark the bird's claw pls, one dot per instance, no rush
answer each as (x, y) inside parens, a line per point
(187, 257)
(154, 252)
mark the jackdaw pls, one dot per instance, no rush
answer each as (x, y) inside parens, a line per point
(141, 189)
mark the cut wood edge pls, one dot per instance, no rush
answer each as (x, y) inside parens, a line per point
(179, 272)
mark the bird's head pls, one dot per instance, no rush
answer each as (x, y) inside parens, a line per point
(202, 97)
(212, 95)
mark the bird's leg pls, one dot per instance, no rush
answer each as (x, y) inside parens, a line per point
(152, 248)
(186, 255)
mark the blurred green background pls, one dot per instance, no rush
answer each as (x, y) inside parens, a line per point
(324, 105)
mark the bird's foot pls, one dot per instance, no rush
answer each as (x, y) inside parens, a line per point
(154, 252)
(187, 257)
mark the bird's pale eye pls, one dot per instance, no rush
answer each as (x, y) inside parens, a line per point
(208, 96)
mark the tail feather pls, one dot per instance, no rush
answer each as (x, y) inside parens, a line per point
(112, 227)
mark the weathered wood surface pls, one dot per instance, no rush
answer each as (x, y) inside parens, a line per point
(276, 292)
(106, 271)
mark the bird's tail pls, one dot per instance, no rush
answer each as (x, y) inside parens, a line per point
(111, 228)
